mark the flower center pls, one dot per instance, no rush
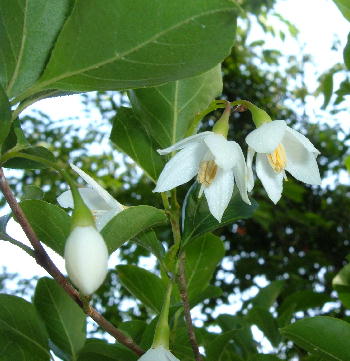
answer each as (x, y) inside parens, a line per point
(278, 159)
(207, 172)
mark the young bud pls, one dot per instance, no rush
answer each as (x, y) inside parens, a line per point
(158, 354)
(86, 258)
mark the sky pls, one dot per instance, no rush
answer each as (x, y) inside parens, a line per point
(320, 24)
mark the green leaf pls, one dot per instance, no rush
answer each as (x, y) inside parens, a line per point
(267, 324)
(3, 222)
(5, 115)
(341, 283)
(327, 89)
(63, 318)
(216, 348)
(100, 350)
(202, 256)
(322, 336)
(144, 285)
(22, 334)
(346, 53)
(28, 30)
(176, 39)
(131, 138)
(32, 192)
(268, 295)
(347, 163)
(22, 163)
(168, 111)
(50, 223)
(344, 7)
(198, 220)
(208, 292)
(133, 329)
(264, 357)
(129, 223)
(151, 243)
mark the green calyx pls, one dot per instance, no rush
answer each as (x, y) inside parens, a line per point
(259, 116)
(222, 125)
(162, 332)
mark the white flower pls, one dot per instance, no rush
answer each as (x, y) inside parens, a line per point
(86, 258)
(280, 148)
(158, 354)
(218, 164)
(103, 206)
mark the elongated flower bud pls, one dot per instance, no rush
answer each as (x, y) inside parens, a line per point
(86, 257)
(158, 354)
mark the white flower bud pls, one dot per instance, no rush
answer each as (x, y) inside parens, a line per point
(86, 257)
(158, 354)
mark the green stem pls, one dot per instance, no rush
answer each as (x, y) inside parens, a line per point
(162, 332)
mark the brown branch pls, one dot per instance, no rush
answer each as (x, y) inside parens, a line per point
(43, 259)
(181, 277)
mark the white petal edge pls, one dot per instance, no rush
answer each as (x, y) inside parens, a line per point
(266, 138)
(301, 163)
(250, 175)
(113, 203)
(303, 140)
(158, 354)
(102, 218)
(184, 143)
(181, 168)
(240, 172)
(224, 154)
(219, 193)
(272, 181)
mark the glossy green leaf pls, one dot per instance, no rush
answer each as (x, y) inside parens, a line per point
(267, 296)
(264, 357)
(168, 111)
(208, 292)
(32, 192)
(347, 163)
(151, 243)
(64, 320)
(267, 324)
(177, 39)
(50, 223)
(344, 7)
(133, 329)
(5, 115)
(22, 334)
(216, 348)
(202, 256)
(129, 223)
(144, 285)
(322, 336)
(341, 283)
(95, 349)
(131, 138)
(22, 163)
(347, 53)
(198, 220)
(28, 30)
(327, 89)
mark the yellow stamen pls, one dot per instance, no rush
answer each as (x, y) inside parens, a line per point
(278, 159)
(207, 172)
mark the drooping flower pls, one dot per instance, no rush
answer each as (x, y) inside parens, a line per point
(158, 354)
(279, 149)
(103, 206)
(218, 164)
(86, 258)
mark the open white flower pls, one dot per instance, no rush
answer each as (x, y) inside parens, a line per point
(86, 258)
(217, 162)
(279, 149)
(158, 354)
(103, 206)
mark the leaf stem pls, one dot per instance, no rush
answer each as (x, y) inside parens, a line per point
(6, 237)
(43, 259)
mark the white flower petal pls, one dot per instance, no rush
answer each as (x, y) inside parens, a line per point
(158, 354)
(221, 149)
(65, 200)
(272, 181)
(250, 176)
(302, 139)
(100, 190)
(86, 259)
(219, 193)
(181, 168)
(103, 217)
(240, 172)
(301, 163)
(184, 143)
(266, 138)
